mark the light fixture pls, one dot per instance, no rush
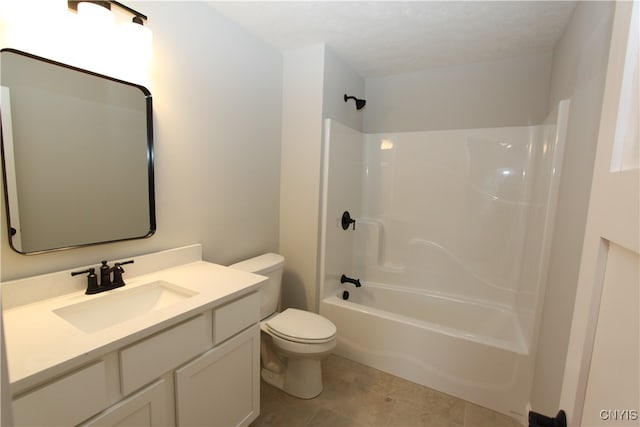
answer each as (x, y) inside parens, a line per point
(79, 5)
(96, 13)
(136, 33)
(138, 18)
(129, 39)
(73, 4)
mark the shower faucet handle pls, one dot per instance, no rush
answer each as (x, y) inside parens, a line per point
(346, 279)
(347, 221)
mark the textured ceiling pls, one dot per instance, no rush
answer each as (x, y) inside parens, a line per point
(394, 37)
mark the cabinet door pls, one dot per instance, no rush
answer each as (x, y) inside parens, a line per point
(145, 408)
(221, 387)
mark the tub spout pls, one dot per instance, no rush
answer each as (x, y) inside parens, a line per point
(345, 279)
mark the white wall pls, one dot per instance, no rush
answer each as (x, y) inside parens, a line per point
(6, 413)
(340, 79)
(302, 96)
(314, 83)
(579, 67)
(511, 92)
(217, 95)
(342, 187)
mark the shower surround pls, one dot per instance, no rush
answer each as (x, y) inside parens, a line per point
(451, 244)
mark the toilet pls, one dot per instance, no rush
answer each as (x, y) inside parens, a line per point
(292, 342)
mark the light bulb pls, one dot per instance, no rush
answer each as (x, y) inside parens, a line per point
(95, 14)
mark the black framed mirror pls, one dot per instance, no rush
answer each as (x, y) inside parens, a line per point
(77, 155)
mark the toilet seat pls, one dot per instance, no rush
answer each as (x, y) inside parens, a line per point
(301, 326)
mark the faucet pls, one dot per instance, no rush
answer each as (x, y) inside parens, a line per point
(345, 279)
(105, 275)
(106, 283)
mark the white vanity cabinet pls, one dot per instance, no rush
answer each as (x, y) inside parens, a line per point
(145, 408)
(222, 386)
(200, 371)
(66, 400)
(218, 388)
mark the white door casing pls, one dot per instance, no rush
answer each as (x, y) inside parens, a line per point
(602, 370)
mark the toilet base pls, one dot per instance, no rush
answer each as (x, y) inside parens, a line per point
(276, 380)
(302, 378)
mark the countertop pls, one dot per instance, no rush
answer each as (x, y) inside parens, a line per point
(41, 345)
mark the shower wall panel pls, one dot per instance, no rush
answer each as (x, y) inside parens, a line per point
(446, 211)
(462, 214)
(547, 155)
(342, 191)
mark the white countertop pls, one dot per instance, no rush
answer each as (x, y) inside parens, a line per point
(40, 344)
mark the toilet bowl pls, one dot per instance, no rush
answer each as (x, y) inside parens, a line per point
(294, 342)
(293, 345)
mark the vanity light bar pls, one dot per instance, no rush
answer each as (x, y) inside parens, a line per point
(138, 17)
(73, 4)
(135, 13)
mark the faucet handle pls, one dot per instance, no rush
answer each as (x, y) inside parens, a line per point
(346, 221)
(117, 273)
(345, 279)
(118, 264)
(92, 280)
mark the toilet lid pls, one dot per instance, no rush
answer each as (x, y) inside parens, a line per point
(303, 326)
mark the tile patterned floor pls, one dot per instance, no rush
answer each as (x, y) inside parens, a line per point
(358, 396)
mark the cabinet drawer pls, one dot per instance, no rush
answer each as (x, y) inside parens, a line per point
(66, 401)
(233, 317)
(149, 359)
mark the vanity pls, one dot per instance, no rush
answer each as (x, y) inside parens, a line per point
(178, 345)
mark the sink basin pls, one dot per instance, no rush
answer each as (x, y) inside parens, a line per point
(125, 304)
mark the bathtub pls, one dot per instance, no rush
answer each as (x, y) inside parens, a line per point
(469, 350)
(451, 242)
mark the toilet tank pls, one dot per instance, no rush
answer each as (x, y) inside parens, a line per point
(270, 265)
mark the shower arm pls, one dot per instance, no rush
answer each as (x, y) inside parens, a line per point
(360, 103)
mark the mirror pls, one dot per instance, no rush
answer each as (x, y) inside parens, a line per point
(77, 152)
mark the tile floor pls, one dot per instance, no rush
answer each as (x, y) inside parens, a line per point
(358, 396)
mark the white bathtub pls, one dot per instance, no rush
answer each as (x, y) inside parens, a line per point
(469, 350)
(444, 217)
(481, 323)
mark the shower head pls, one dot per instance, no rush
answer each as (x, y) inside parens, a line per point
(360, 103)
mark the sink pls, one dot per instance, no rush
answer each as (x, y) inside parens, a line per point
(121, 305)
